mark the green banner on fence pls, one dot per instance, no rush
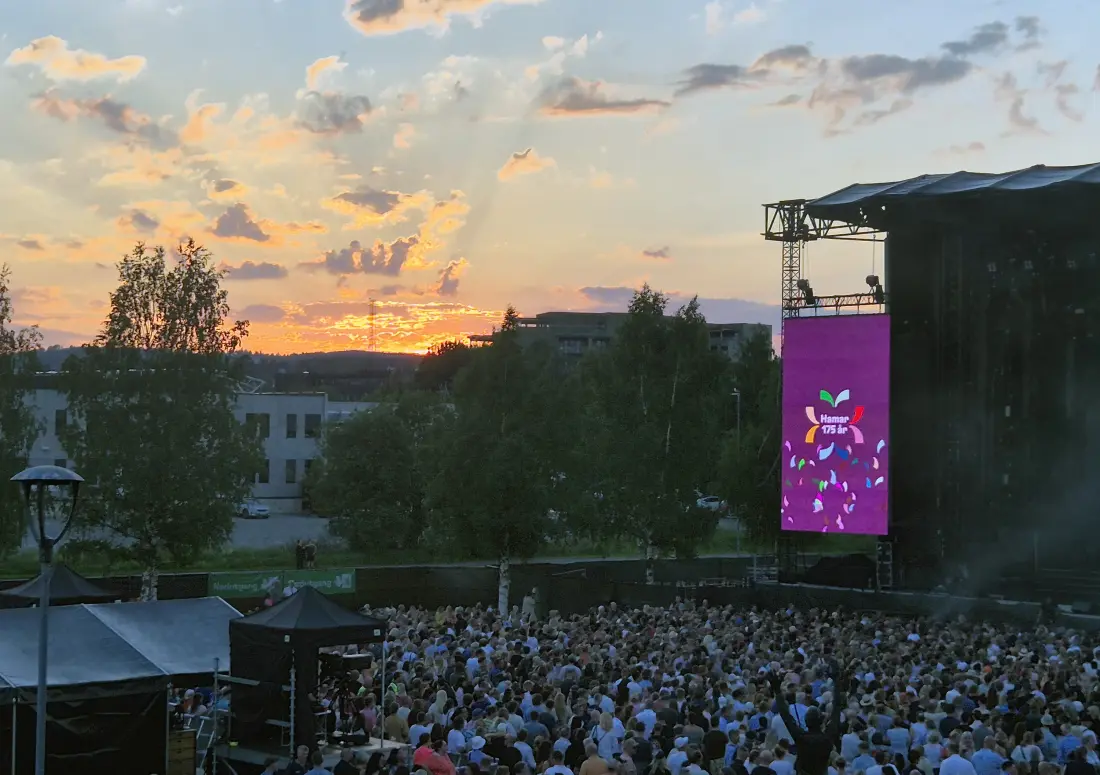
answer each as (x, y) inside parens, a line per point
(335, 581)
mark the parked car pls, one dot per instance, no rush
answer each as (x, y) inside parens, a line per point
(712, 503)
(253, 509)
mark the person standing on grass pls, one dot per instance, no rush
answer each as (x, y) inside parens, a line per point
(299, 554)
(310, 555)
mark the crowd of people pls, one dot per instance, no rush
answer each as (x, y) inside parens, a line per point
(693, 689)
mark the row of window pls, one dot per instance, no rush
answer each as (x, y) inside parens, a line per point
(262, 420)
(311, 426)
(290, 471)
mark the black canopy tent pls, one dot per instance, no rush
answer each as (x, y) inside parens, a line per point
(109, 669)
(279, 646)
(67, 587)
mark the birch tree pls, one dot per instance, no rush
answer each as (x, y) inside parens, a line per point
(151, 422)
(652, 427)
(497, 456)
(18, 425)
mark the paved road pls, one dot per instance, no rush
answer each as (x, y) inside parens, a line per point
(277, 530)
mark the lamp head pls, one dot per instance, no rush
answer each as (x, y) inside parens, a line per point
(39, 479)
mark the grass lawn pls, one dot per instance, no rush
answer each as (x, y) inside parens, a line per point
(24, 565)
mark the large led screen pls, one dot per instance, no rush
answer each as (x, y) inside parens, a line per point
(836, 424)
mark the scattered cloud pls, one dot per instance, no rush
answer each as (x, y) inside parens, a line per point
(575, 97)
(718, 15)
(333, 113)
(985, 39)
(662, 253)
(384, 258)
(767, 69)
(58, 62)
(388, 17)
(139, 221)
(403, 137)
(262, 313)
(30, 244)
(375, 207)
(974, 146)
(115, 115)
(251, 270)
(450, 276)
(237, 223)
(526, 162)
(561, 52)
(224, 188)
(200, 120)
(321, 66)
(1031, 30)
(1009, 91)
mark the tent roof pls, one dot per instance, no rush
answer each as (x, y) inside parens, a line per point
(861, 201)
(82, 650)
(66, 584)
(310, 612)
(115, 642)
(164, 632)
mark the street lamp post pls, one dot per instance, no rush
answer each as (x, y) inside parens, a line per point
(737, 394)
(36, 483)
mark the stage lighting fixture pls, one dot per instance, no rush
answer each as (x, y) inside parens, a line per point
(808, 296)
(876, 289)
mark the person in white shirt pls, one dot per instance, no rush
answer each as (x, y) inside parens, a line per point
(677, 758)
(782, 763)
(956, 764)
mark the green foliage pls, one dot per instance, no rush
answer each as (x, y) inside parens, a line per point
(438, 369)
(151, 405)
(652, 425)
(18, 424)
(495, 459)
(749, 468)
(368, 479)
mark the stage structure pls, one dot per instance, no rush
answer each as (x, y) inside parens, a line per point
(990, 283)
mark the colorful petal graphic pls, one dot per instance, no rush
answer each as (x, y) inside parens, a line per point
(832, 477)
(843, 454)
(839, 522)
(842, 397)
(801, 464)
(857, 434)
(868, 483)
(881, 444)
(786, 503)
(811, 416)
(794, 460)
(818, 505)
(821, 486)
(811, 433)
(812, 462)
(788, 446)
(825, 395)
(857, 415)
(845, 487)
(826, 452)
(880, 480)
(874, 463)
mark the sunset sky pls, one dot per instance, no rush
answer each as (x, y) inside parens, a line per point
(450, 157)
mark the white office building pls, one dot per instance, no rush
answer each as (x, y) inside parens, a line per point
(290, 424)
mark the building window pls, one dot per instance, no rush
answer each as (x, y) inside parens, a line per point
(262, 422)
(571, 346)
(263, 476)
(61, 463)
(291, 471)
(60, 420)
(292, 426)
(308, 464)
(313, 426)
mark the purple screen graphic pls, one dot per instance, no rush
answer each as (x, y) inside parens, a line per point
(836, 424)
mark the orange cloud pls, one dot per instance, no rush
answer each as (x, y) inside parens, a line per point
(200, 120)
(372, 18)
(53, 57)
(573, 97)
(404, 136)
(164, 219)
(344, 324)
(325, 64)
(373, 207)
(237, 223)
(138, 165)
(524, 163)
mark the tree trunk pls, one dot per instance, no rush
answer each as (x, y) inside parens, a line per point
(149, 579)
(651, 555)
(504, 585)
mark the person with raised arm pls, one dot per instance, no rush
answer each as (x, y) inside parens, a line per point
(813, 744)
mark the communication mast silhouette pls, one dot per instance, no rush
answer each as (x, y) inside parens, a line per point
(372, 339)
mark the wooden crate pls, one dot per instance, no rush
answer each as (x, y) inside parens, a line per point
(181, 752)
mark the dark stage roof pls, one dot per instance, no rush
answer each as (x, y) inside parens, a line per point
(862, 202)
